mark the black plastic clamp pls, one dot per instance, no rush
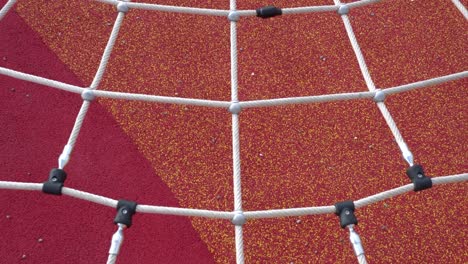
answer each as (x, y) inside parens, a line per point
(419, 179)
(269, 11)
(55, 183)
(345, 210)
(125, 211)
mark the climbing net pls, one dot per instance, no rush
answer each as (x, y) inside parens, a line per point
(125, 209)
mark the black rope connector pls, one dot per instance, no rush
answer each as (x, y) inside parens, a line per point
(125, 211)
(345, 210)
(55, 183)
(419, 179)
(269, 11)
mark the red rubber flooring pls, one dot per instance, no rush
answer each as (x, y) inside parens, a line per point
(70, 230)
(181, 156)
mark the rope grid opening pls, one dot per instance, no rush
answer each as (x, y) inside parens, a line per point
(238, 217)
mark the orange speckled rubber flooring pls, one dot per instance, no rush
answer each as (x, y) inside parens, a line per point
(292, 156)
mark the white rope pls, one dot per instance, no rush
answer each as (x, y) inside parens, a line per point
(391, 123)
(383, 195)
(356, 243)
(78, 123)
(179, 9)
(225, 104)
(357, 50)
(408, 188)
(362, 259)
(461, 8)
(426, 83)
(25, 186)
(289, 212)
(239, 245)
(247, 13)
(362, 3)
(116, 243)
(275, 213)
(220, 12)
(234, 66)
(41, 81)
(183, 212)
(6, 8)
(112, 259)
(162, 99)
(308, 9)
(235, 117)
(236, 163)
(112, 2)
(65, 156)
(89, 197)
(450, 179)
(107, 51)
(406, 153)
(236, 160)
(307, 99)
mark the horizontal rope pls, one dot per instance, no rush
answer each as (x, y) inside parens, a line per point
(222, 12)
(407, 188)
(41, 81)
(226, 104)
(289, 212)
(89, 197)
(324, 8)
(306, 99)
(275, 213)
(25, 186)
(426, 83)
(383, 195)
(309, 9)
(112, 2)
(179, 9)
(362, 3)
(450, 179)
(151, 209)
(162, 99)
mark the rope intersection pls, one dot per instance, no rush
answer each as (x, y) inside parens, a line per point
(55, 184)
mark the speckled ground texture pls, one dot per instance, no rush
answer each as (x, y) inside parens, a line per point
(292, 156)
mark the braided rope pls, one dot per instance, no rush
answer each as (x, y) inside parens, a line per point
(235, 117)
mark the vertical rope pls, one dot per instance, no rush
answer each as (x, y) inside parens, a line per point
(391, 123)
(63, 159)
(107, 51)
(234, 74)
(357, 50)
(112, 259)
(236, 160)
(6, 8)
(406, 153)
(232, 5)
(236, 163)
(116, 244)
(239, 245)
(78, 123)
(362, 259)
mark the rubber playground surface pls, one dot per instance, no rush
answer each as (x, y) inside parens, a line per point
(181, 156)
